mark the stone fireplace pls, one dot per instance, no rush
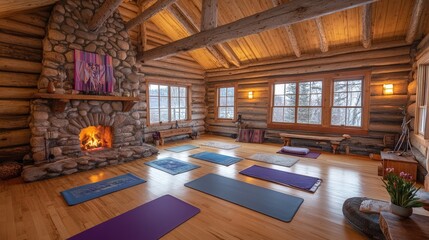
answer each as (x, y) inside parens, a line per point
(71, 131)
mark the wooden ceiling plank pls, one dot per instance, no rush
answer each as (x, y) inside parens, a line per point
(9, 7)
(106, 10)
(366, 35)
(415, 20)
(324, 46)
(209, 14)
(288, 13)
(290, 33)
(148, 13)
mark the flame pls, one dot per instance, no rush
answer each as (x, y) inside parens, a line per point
(95, 137)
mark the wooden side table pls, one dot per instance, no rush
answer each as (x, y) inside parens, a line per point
(399, 164)
(395, 227)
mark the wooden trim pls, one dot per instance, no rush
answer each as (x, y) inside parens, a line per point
(216, 101)
(288, 13)
(415, 20)
(366, 35)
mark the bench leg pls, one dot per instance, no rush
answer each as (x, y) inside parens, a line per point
(334, 148)
(161, 141)
(286, 141)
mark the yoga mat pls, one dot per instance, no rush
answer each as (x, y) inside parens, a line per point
(274, 159)
(181, 148)
(90, 191)
(172, 166)
(220, 145)
(149, 221)
(216, 158)
(303, 182)
(313, 155)
(271, 203)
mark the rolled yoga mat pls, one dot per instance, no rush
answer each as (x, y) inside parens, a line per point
(271, 203)
(149, 221)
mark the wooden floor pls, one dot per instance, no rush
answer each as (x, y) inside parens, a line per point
(37, 210)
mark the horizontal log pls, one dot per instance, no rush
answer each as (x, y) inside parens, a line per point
(9, 7)
(21, 41)
(384, 127)
(12, 122)
(11, 79)
(388, 81)
(14, 153)
(19, 52)
(183, 62)
(392, 100)
(172, 79)
(413, 98)
(15, 137)
(411, 110)
(384, 109)
(412, 87)
(166, 72)
(229, 130)
(30, 19)
(17, 93)
(173, 66)
(14, 107)
(14, 26)
(383, 117)
(14, 65)
(398, 89)
(392, 75)
(391, 68)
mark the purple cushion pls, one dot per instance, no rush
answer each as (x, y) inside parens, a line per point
(295, 150)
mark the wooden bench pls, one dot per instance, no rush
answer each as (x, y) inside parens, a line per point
(173, 132)
(335, 141)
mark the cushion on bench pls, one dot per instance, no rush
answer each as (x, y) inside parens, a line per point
(295, 150)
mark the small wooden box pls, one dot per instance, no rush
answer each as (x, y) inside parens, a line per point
(399, 164)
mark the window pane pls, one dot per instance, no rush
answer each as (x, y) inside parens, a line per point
(279, 89)
(290, 88)
(182, 113)
(279, 100)
(154, 115)
(354, 117)
(230, 112)
(338, 116)
(230, 101)
(182, 102)
(304, 100)
(222, 92)
(163, 102)
(277, 114)
(163, 90)
(315, 115)
(289, 115)
(316, 99)
(183, 92)
(153, 90)
(222, 112)
(153, 102)
(304, 87)
(354, 99)
(355, 86)
(290, 100)
(174, 91)
(340, 86)
(230, 92)
(340, 99)
(303, 115)
(164, 115)
(222, 101)
(174, 102)
(316, 87)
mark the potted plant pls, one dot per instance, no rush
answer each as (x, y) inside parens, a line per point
(402, 193)
(156, 137)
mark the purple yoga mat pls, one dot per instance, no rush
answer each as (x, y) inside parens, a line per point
(303, 182)
(151, 220)
(313, 155)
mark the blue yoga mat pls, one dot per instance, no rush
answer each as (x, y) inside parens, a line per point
(87, 192)
(172, 166)
(216, 158)
(271, 203)
(181, 148)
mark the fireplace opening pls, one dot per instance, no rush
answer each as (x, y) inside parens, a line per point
(95, 138)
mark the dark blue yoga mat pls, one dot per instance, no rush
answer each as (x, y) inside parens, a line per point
(171, 165)
(149, 221)
(274, 204)
(181, 148)
(216, 158)
(299, 181)
(87, 192)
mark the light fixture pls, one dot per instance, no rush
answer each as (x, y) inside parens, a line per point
(250, 95)
(388, 89)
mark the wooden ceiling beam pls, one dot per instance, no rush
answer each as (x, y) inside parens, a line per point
(415, 20)
(288, 13)
(106, 10)
(291, 35)
(148, 13)
(191, 27)
(9, 7)
(423, 42)
(209, 14)
(324, 46)
(366, 35)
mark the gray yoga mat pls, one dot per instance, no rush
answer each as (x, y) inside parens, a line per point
(271, 203)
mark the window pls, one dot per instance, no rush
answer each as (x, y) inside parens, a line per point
(347, 103)
(309, 107)
(329, 102)
(168, 103)
(422, 99)
(225, 102)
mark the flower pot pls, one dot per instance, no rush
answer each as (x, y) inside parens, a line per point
(401, 211)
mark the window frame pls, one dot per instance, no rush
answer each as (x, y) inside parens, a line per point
(216, 102)
(327, 102)
(169, 84)
(422, 100)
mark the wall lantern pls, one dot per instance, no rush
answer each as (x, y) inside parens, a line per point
(250, 95)
(387, 89)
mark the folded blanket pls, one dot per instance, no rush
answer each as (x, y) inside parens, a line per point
(295, 150)
(374, 206)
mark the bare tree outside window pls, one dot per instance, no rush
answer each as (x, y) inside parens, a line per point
(167, 103)
(226, 102)
(347, 103)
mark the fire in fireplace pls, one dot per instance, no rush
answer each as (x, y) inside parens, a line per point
(95, 138)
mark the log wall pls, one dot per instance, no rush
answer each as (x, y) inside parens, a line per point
(20, 65)
(390, 65)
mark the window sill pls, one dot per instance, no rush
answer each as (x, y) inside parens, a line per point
(318, 128)
(168, 123)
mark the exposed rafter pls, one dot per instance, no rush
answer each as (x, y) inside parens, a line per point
(106, 10)
(8, 7)
(424, 41)
(288, 13)
(366, 35)
(324, 46)
(148, 13)
(415, 19)
(290, 33)
(209, 15)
